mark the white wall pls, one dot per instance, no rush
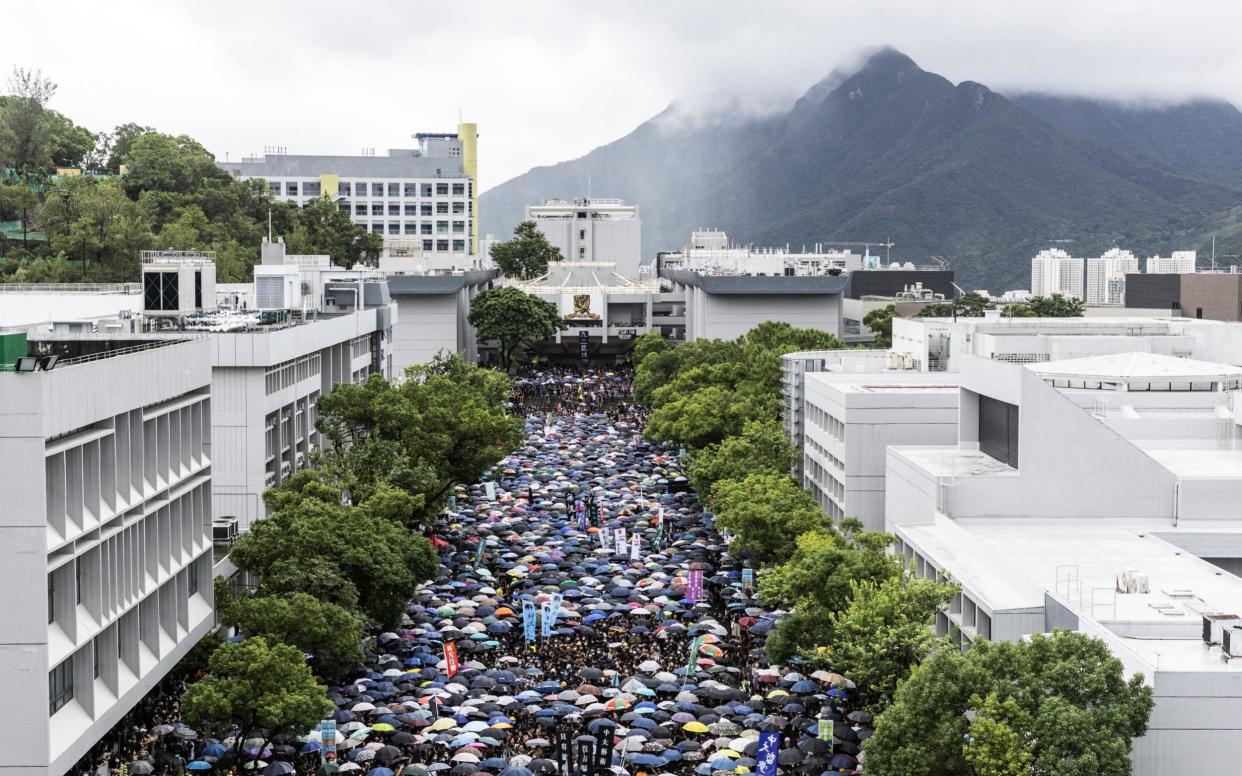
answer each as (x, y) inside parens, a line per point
(425, 326)
(728, 316)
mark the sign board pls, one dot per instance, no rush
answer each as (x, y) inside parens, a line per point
(490, 489)
(450, 658)
(626, 334)
(765, 757)
(582, 307)
(327, 736)
(619, 537)
(584, 346)
(635, 546)
(528, 620)
(748, 577)
(825, 730)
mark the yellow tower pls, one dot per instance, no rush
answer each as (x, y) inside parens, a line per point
(468, 134)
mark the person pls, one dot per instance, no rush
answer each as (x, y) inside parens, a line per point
(329, 766)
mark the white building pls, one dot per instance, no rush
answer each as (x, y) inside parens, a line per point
(423, 201)
(710, 253)
(1098, 495)
(1106, 276)
(592, 230)
(1053, 271)
(105, 471)
(728, 306)
(1179, 263)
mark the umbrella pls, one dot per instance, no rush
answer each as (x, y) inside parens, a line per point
(279, 768)
(140, 767)
(198, 765)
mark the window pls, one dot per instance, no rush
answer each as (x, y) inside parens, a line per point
(343, 189)
(411, 209)
(95, 656)
(60, 686)
(442, 245)
(310, 189)
(198, 289)
(291, 189)
(275, 188)
(424, 209)
(345, 207)
(360, 188)
(459, 207)
(442, 188)
(581, 234)
(459, 189)
(394, 227)
(424, 227)
(377, 228)
(426, 189)
(77, 574)
(459, 245)
(459, 227)
(427, 245)
(998, 430)
(51, 598)
(394, 208)
(411, 190)
(441, 227)
(360, 209)
(394, 189)
(192, 577)
(377, 208)
(377, 189)
(581, 252)
(442, 207)
(411, 227)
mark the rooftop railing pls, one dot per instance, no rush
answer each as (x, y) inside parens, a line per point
(70, 288)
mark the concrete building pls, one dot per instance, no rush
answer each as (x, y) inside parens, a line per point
(431, 316)
(1178, 263)
(1210, 295)
(709, 252)
(1123, 534)
(728, 306)
(106, 519)
(1106, 276)
(593, 231)
(423, 201)
(1053, 271)
(66, 307)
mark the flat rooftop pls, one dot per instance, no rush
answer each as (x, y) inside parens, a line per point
(946, 461)
(80, 349)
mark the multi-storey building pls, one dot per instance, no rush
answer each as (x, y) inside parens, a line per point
(106, 520)
(423, 201)
(1180, 262)
(592, 230)
(709, 252)
(1053, 271)
(1106, 276)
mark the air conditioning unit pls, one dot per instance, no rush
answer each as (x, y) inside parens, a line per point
(224, 529)
(1231, 641)
(1214, 625)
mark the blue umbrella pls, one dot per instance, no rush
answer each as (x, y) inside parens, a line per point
(214, 750)
(198, 765)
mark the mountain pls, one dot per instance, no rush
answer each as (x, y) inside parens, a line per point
(953, 170)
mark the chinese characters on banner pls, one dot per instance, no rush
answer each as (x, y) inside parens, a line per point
(765, 757)
(327, 736)
(619, 544)
(748, 578)
(635, 546)
(450, 658)
(528, 619)
(694, 590)
(825, 730)
(490, 489)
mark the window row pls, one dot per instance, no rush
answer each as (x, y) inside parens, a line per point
(826, 421)
(291, 372)
(312, 188)
(408, 209)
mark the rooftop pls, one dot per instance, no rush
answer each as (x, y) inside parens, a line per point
(1138, 367)
(760, 284)
(311, 166)
(81, 349)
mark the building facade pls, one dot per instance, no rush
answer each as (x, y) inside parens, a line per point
(423, 201)
(1177, 263)
(106, 520)
(592, 230)
(1053, 271)
(1106, 276)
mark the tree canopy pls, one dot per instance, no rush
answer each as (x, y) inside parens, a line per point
(329, 633)
(1064, 696)
(1055, 306)
(969, 305)
(527, 254)
(510, 316)
(263, 688)
(763, 447)
(880, 321)
(767, 513)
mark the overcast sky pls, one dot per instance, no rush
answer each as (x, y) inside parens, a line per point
(548, 81)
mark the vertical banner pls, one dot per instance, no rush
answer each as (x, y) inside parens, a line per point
(584, 346)
(695, 643)
(636, 543)
(528, 619)
(450, 658)
(619, 540)
(748, 577)
(554, 605)
(582, 521)
(478, 555)
(765, 757)
(694, 590)
(825, 730)
(490, 489)
(327, 737)
(547, 616)
(605, 538)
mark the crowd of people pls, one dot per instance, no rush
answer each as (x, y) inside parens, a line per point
(582, 596)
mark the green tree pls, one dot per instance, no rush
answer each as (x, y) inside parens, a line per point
(884, 632)
(19, 203)
(263, 689)
(969, 305)
(179, 165)
(993, 747)
(323, 228)
(118, 144)
(1055, 306)
(511, 317)
(763, 447)
(26, 126)
(329, 633)
(69, 144)
(318, 577)
(880, 321)
(1072, 707)
(381, 559)
(767, 513)
(91, 220)
(527, 254)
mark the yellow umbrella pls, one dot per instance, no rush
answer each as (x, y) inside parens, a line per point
(777, 694)
(383, 727)
(694, 727)
(443, 723)
(728, 753)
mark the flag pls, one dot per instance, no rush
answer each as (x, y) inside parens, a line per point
(528, 619)
(765, 757)
(450, 658)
